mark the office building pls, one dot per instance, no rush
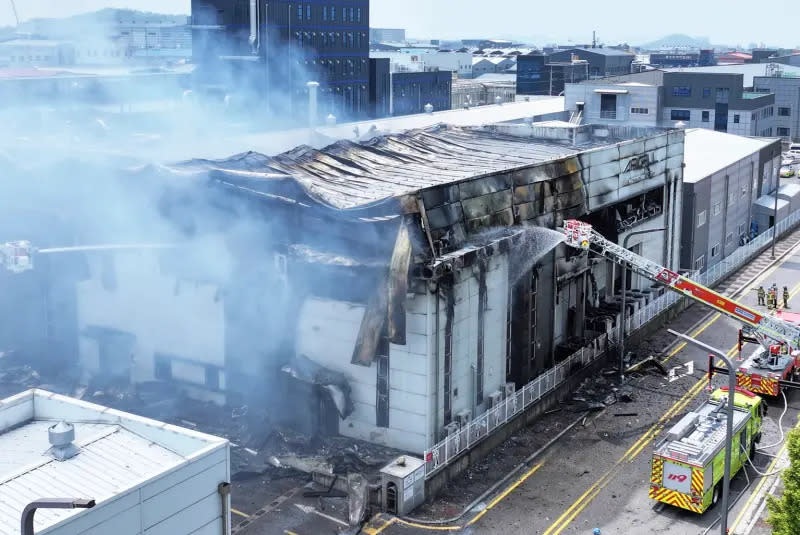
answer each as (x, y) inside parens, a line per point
(785, 86)
(695, 98)
(413, 91)
(272, 52)
(674, 59)
(537, 75)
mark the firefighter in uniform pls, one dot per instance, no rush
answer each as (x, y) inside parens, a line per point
(771, 298)
(761, 295)
(785, 297)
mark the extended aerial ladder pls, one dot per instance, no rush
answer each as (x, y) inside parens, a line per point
(779, 338)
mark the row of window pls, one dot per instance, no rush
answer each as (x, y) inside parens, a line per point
(641, 111)
(717, 208)
(721, 94)
(686, 115)
(766, 112)
(341, 67)
(767, 132)
(330, 13)
(353, 40)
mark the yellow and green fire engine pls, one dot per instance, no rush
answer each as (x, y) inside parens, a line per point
(687, 464)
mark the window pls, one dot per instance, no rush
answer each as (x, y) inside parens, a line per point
(324, 12)
(299, 11)
(729, 239)
(700, 263)
(736, 118)
(715, 251)
(352, 14)
(706, 92)
(706, 116)
(752, 116)
(212, 377)
(717, 209)
(642, 111)
(701, 219)
(783, 132)
(679, 115)
(722, 94)
(308, 12)
(740, 229)
(784, 112)
(358, 15)
(681, 91)
(333, 13)
(744, 191)
(162, 368)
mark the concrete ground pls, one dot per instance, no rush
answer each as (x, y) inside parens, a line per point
(597, 475)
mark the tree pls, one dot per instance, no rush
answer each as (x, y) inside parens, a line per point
(784, 512)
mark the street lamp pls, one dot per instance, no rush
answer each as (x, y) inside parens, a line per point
(726, 477)
(624, 301)
(50, 503)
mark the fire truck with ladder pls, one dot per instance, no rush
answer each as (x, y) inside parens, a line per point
(778, 357)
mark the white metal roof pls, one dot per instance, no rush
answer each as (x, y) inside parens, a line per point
(118, 451)
(272, 143)
(767, 202)
(707, 151)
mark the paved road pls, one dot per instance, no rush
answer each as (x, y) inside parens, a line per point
(598, 474)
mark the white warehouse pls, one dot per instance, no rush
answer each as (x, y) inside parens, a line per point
(146, 477)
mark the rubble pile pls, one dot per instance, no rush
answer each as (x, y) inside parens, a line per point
(259, 447)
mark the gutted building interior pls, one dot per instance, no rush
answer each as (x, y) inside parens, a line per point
(385, 291)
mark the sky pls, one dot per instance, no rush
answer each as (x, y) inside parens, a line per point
(536, 21)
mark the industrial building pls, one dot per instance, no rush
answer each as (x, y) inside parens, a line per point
(143, 476)
(602, 61)
(459, 63)
(727, 182)
(36, 52)
(396, 91)
(696, 98)
(537, 74)
(272, 52)
(397, 288)
(467, 93)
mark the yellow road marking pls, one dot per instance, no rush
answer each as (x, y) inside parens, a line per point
(569, 515)
(505, 493)
(368, 530)
(238, 512)
(287, 532)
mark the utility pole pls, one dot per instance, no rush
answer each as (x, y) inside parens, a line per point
(726, 477)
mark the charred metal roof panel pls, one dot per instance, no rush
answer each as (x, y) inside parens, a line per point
(349, 175)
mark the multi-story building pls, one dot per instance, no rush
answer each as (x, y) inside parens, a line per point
(274, 50)
(457, 62)
(468, 93)
(36, 53)
(413, 91)
(387, 35)
(696, 99)
(536, 75)
(786, 89)
(724, 179)
(602, 61)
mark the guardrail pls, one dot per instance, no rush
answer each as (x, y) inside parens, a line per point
(479, 428)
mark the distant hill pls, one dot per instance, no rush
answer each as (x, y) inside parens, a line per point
(677, 40)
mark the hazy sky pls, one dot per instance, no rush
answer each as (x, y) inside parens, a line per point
(733, 22)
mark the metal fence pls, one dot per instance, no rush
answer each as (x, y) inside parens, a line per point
(482, 426)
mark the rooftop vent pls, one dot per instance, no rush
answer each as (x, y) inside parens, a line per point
(61, 436)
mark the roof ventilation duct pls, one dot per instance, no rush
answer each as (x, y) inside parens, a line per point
(61, 436)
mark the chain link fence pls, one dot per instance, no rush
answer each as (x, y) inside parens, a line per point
(482, 426)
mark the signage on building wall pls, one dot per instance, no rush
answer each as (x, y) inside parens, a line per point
(638, 163)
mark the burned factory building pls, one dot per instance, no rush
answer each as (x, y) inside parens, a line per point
(387, 290)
